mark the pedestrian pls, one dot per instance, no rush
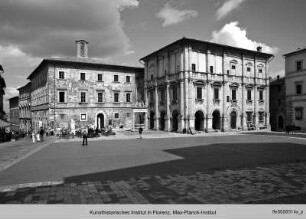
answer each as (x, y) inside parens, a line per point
(140, 130)
(85, 133)
(33, 136)
(41, 133)
(37, 136)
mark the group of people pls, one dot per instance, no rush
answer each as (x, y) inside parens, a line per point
(38, 135)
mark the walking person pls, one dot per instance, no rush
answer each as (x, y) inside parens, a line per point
(41, 133)
(140, 130)
(33, 136)
(85, 133)
(37, 136)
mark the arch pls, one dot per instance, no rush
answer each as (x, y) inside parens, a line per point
(175, 120)
(234, 61)
(162, 120)
(199, 121)
(100, 121)
(216, 120)
(233, 117)
(152, 114)
(280, 122)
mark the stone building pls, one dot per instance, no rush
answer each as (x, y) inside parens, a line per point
(2, 92)
(14, 113)
(295, 77)
(278, 104)
(78, 92)
(25, 108)
(192, 84)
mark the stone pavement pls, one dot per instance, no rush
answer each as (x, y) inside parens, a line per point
(231, 186)
(15, 151)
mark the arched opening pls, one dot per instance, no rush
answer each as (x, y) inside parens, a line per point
(100, 121)
(280, 123)
(162, 120)
(152, 120)
(199, 121)
(233, 120)
(216, 120)
(175, 121)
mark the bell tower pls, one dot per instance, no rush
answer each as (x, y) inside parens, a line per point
(82, 48)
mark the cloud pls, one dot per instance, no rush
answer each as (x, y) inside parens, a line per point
(227, 7)
(172, 16)
(11, 92)
(43, 28)
(231, 34)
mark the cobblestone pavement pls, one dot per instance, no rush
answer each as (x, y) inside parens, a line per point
(245, 185)
(14, 151)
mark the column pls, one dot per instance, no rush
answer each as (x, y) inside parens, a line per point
(243, 122)
(168, 114)
(267, 100)
(146, 120)
(223, 125)
(156, 119)
(191, 96)
(186, 89)
(255, 94)
(207, 116)
(181, 117)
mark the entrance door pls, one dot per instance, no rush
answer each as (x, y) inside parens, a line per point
(100, 121)
(280, 123)
(216, 120)
(233, 120)
(199, 121)
(174, 121)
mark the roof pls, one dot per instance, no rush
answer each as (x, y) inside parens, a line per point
(188, 40)
(28, 84)
(294, 52)
(85, 61)
(15, 97)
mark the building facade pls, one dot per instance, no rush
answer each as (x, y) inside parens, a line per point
(192, 84)
(2, 93)
(25, 108)
(14, 113)
(278, 104)
(78, 92)
(295, 77)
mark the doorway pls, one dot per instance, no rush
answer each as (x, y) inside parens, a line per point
(216, 120)
(199, 121)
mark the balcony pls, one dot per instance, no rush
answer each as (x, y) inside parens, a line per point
(174, 101)
(249, 102)
(216, 101)
(199, 100)
(260, 102)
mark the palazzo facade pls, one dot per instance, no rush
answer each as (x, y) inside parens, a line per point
(203, 86)
(79, 92)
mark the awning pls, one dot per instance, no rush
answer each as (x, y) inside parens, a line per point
(3, 123)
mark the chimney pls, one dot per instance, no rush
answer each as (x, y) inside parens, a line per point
(82, 48)
(259, 49)
(277, 77)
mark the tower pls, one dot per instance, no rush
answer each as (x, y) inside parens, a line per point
(82, 48)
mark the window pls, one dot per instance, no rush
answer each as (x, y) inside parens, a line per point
(248, 69)
(128, 79)
(116, 78)
(83, 97)
(260, 70)
(233, 67)
(151, 96)
(83, 76)
(193, 67)
(249, 116)
(162, 96)
(174, 93)
(152, 77)
(233, 94)
(100, 77)
(199, 93)
(299, 65)
(83, 116)
(128, 115)
(216, 93)
(128, 97)
(211, 68)
(62, 96)
(298, 88)
(116, 97)
(299, 113)
(100, 97)
(227, 99)
(261, 117)
(61, 75)
(116, 115)
(260, 95)
(249, 95)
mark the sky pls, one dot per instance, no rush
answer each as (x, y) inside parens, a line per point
(123, 31)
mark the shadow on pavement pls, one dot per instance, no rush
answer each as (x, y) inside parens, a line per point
(206, 158)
